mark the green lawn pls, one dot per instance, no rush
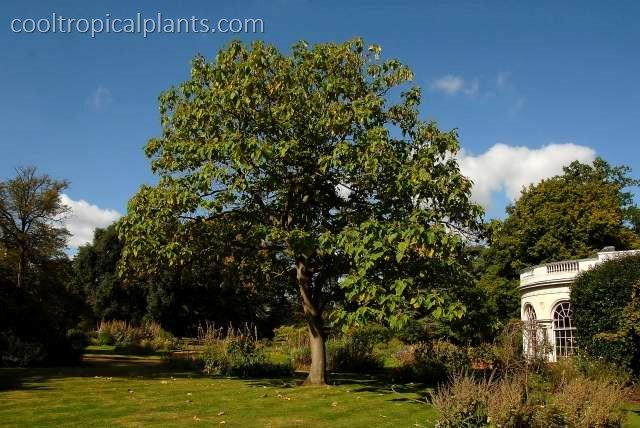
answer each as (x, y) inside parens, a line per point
(137, 391)
(126, 390)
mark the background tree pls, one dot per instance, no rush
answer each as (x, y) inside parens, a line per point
(314, 161)
(37, 313)
(569, 216)
(95, 277)
(207, 289)
(30, 209)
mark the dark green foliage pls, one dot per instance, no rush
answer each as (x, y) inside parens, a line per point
(179, 299)
(353, 352)
(238, 353)
(105, 338)
(568, 216)
(32, 332)
(94, 275)
(601, 299)
(431, 362)
(37, 308)
(17, 352)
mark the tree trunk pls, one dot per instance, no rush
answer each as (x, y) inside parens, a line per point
(315, 323)
(21, 263)
(318, 369)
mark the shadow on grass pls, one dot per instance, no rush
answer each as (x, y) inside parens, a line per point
(380, 383)
(92, 365)
(144, 367)
(137, 351)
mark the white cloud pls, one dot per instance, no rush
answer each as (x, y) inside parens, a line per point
(449, 84)
(84, 218)
(452, 85)
(100, 98)
(507, 169)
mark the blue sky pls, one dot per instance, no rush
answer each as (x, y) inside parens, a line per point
(529, 85)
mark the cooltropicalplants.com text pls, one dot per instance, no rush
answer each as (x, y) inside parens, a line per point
(138, 24)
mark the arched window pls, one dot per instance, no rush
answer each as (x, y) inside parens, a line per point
(531, 331)
(563, 330)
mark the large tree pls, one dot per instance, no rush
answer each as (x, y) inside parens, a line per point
(30, 215)
(315, 160)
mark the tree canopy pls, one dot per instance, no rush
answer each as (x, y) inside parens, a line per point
(30, 212)
(568, 216)
(318, 162)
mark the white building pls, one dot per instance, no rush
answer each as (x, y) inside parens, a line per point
(545, 306)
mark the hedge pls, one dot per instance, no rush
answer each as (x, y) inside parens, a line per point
(598, 298)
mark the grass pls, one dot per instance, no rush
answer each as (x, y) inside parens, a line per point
(130, 391)
(121, 390)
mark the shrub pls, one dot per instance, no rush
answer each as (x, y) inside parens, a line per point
(353, 352)
(508, 350)
(470, 402)
(16, 352)
(105, 338)
(579, 402)
(350, 352)
(237, 352)
(506, 403)
(546, 416)
(483, 356)
(590, 403)
(288, 336)
(32, 333)
(300, 357)
(431, 361)
(602, 370)
(148, 337)
(599, 298)
(462, 403)
(293, 341)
